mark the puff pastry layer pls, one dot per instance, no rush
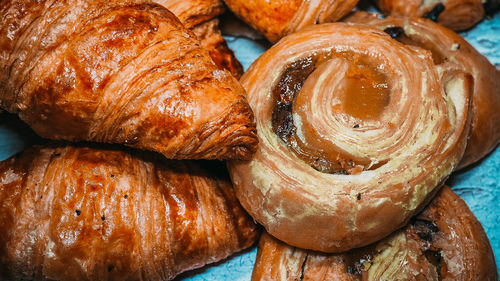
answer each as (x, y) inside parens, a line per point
(451, 51)
(356, 131)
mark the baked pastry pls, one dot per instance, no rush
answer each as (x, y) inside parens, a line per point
(194, 12)
(276, 19)
(356, 131)
(119, 72)
(454, 14)
(200, 17)
(450, 50)
(211, 40)
(444, 242)
(87, 213)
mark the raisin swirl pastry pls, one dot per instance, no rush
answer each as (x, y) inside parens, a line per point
(88, 213)
(200, 17)
(454, 14)
(123, 72)
(276, 19)
(444, 242)
(356, 131)
(450, 50)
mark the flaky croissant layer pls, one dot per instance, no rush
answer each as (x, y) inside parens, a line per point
(82, 213)
(119, 71)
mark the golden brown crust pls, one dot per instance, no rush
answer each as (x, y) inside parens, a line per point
(444, 242)
(199, 16)
(86, 213)
(193, 12)
(120, 72)
(211, 39)
(452, 51)
(276, 19)
(454, 14)
(390, 163)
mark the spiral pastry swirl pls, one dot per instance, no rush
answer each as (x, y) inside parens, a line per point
(450, 50)
(356, 131)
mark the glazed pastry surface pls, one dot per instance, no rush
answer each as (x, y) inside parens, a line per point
(120, 72)
(211, 39)
(199, 16)
(356, 131)
(450, 51)
(276, 19)
(444, 242)
(193, 12)
(454, 14)
(86, 213)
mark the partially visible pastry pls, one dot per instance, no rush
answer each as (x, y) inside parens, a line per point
(88, 213)
(356, 133)
(276, 19)
(444, 242)
(193, 12)
(211, 40)
(124, 72)
(451, 51)
(454, 14)
(200, 17)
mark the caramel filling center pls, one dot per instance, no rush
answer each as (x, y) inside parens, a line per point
(363, 93)
(366, 92)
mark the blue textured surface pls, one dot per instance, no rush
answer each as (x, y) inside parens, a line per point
(479, 186)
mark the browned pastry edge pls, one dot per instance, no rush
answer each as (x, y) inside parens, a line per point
(120, 72)
(199, 16)
(454, 14)
(82, 212)
(453, 51)
(211, 39)
(194, 12)
(275, 19)
(444, 242)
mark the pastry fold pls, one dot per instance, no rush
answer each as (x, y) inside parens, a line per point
(444, 242)
(451, 51)
(88, 213)
(356, 132)
(276, 19)
(200, 17)
(123, 72)
(454, 14)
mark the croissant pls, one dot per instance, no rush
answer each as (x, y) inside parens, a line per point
(444, 242)
(275, 19)
(356, 131)
(199, 16)
(211, 39)
(454, 14)
(450, 50)
(120, 72)
(88, 213)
